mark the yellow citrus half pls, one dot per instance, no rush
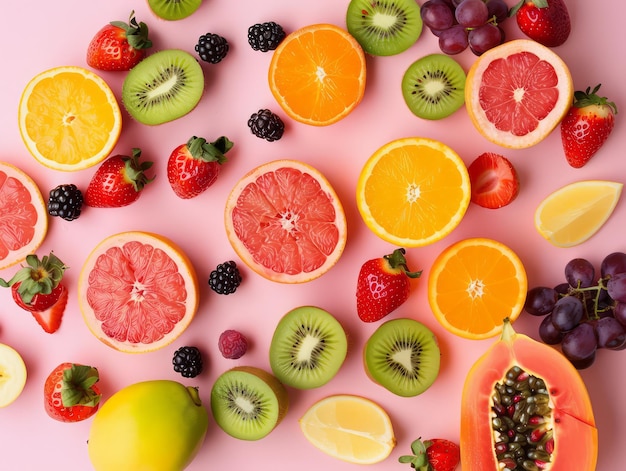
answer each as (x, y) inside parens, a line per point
(413, 191)
(575, 212)
(350, 428)
(474, 284)
(69, 118)
(137, 291)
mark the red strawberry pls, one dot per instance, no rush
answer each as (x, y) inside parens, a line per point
(545, 21)
(70, 392)
(494, 180)
(383, 285)
(586, 126)
(119, 45)
(193, 167)
(437, 454)
(118, 182)
(50, 319)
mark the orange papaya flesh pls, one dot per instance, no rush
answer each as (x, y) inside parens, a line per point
(567, 432)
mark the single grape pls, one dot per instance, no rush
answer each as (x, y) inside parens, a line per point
(484, 37)
(584, 362)
(471, 13)
(437, 15)
(619, 312)
(580, 344)
(613, 264)
(616, 286)
(610, 333)
(567, 313)
(453, 40)
(562, 288)
(579, 273)
(540, 300)
(497, 8)
(548, 333)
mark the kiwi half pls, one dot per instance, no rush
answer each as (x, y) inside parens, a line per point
(308, 347)
(384, 27)
(248, 402)
(164, 86)
(433, 87)
(403, 356)
(173, 9)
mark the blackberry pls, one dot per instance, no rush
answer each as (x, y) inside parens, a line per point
(187, 361)
(225, 279)
(265, 36)
(212, 48)
(65, 201)
(266, 125)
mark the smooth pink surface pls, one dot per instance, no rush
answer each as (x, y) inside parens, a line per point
(39, 35)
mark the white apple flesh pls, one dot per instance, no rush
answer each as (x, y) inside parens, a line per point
(12, 375)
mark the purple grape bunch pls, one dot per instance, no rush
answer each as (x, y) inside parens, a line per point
(586, 312)
(460, 24)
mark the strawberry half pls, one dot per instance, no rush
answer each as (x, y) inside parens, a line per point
(437, 454)
(545, 21)
(50, 319)
(494, 181)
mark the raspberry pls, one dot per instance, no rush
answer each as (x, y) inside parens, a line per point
(266, 125)
(265, 36)
(65, 201)
(212, 48)
(225, 279)
(232, 344)
(188, 361)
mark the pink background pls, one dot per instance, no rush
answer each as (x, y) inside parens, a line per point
(39, 35)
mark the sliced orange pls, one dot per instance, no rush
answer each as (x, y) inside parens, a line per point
(137, 291)
(474, 284)
(518, 92)
(413, 191)
(286, 222)
(23, 216)
(317, 74)
(350, 428)
(69, 118)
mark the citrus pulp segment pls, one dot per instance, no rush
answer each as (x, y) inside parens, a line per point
(23, 216)
(474, 284)
(518, 92)
(317, 74)
(286, 222)
(137, 291)
(350, 428)
(413, 191)
(69, 118)
(573, 213)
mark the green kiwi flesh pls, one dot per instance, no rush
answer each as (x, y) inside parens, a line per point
(308, 348)
(403, 356)
(248, 402)
(433, 87)
(384, 27)
(163, 87)
(173, 9)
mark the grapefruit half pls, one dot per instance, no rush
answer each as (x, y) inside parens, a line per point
(137, 291)
(286, 222)
(517, 93)
(23, 216)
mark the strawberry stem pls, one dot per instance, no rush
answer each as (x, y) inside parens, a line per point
(76, 386)
(418, 460)
(136, 33)
(590, 97)
(397, 260)
(39, 277)
(214, 151)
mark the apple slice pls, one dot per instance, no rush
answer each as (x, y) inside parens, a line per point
(12, 375)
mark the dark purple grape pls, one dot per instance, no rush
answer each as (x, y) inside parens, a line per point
(548, 333)
(453, 40)
(540, 300)
(579, 344)
(483, 38)
(437, 15)
(567, 313)
(497, 8)
(610, 333)
(471, 13)
(619, 312)
(579, 273)
(584, 362)
(613, 264)
(562, 288)
(616, 286)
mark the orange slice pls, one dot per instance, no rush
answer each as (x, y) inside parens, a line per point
(317, 74)
(137, 291)
(350, 428)
(413, 191)
(474, 284)
(518, 92)
(23, 216)
(286, 222)
(69, 118)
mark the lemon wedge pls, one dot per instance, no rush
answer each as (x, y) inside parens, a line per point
(575, 212)
(350, 428)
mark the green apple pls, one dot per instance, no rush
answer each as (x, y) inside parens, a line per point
(12, 375)
(157, 425)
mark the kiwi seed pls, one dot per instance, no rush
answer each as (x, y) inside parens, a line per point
(173, 9)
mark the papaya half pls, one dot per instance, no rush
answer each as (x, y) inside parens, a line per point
(525, 407)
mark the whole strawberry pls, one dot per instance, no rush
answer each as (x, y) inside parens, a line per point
(119, 45)
(437, 454)
(70, 392)
(118, 182)
(193, 167)
(545, 21)
(383, 285)
(586, 126)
